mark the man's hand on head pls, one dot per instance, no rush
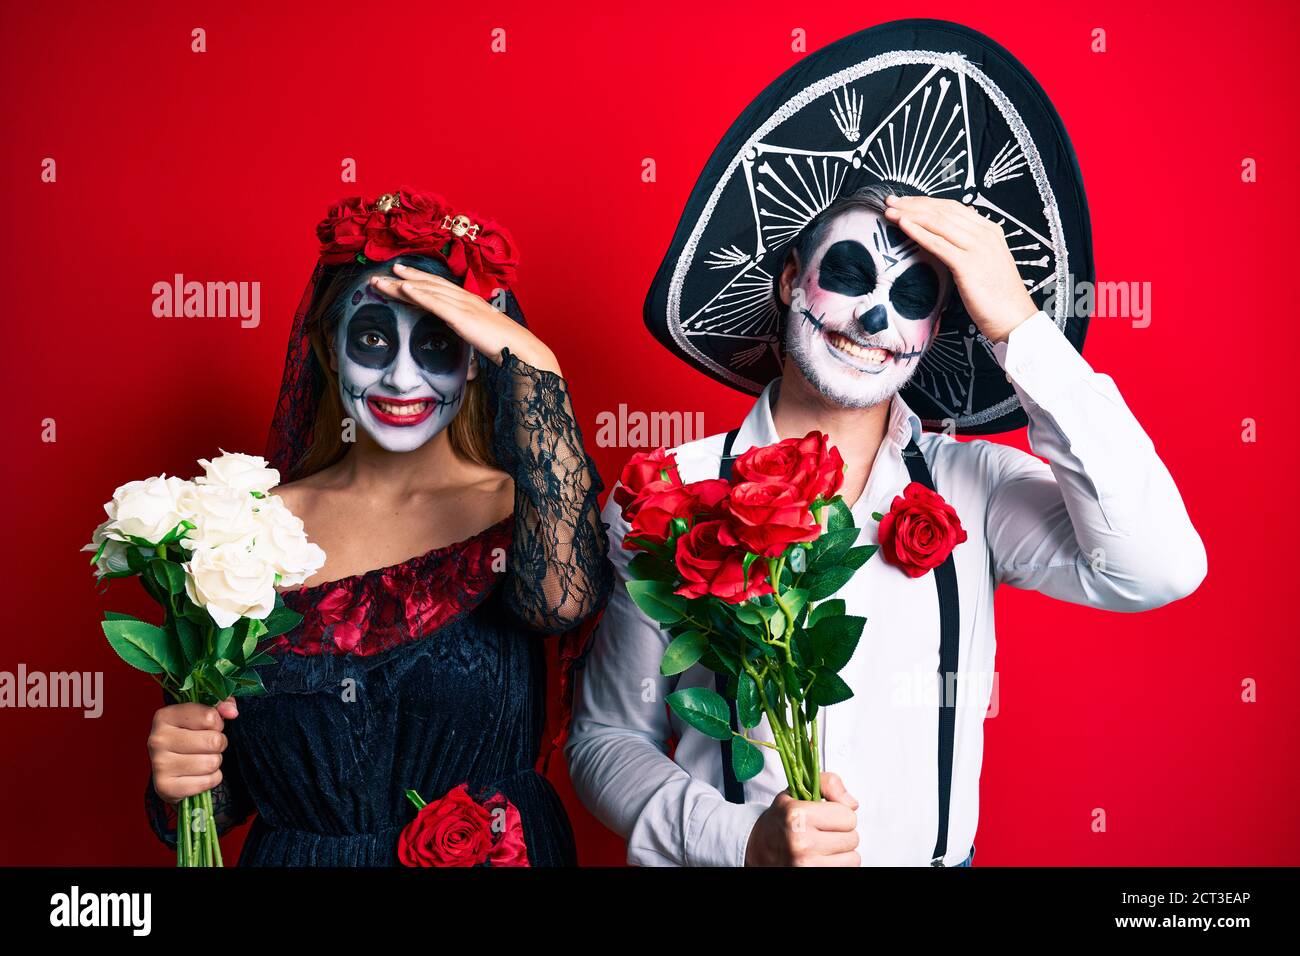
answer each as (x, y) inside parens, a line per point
(975, 252)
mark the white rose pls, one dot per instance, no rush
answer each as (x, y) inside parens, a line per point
(230, 582)
(112, 559)
(282, 542)
(242, 472)
(146, 509)
(220, 515)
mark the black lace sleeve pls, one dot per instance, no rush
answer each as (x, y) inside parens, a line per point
(231, 803)
(560, 575)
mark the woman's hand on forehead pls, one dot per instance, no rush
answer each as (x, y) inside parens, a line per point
(469, 316)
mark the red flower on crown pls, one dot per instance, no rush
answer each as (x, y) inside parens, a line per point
(480, 251)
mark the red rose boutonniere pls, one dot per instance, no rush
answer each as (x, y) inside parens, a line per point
(457, 830)
(920, 530)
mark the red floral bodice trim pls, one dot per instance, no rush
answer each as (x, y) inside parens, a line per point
(377, 610)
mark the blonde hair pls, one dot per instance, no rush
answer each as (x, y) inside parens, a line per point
(470, 431)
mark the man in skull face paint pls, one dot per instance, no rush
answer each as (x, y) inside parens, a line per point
(401, 370)
(864, 289)
(863, 300)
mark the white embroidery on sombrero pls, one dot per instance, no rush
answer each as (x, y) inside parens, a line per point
(926, 145)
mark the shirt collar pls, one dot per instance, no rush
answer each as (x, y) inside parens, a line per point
(759, 428)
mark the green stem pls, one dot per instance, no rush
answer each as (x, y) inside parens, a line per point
(216, 837)
(816, 763)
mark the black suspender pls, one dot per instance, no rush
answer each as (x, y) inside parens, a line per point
(945, 579)
(732, 788)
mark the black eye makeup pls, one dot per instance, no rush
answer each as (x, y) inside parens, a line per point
(915, 293)
(848, 269)
(372, 336)
(436, 348)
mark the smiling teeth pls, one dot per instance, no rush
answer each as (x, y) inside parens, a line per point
(873, 355)
(402, 411)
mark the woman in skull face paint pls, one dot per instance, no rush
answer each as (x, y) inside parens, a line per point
(438, 463)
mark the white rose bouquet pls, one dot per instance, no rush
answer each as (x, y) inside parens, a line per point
(211, 552)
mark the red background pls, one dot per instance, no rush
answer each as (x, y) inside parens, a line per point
(219, 165)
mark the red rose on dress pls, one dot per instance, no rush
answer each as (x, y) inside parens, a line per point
(453, 831)
(457, 830)
(708, 566)
(661, 502)
(809, 463)
(508, 828)
(920, 530)
(641, 470)
(768, 516)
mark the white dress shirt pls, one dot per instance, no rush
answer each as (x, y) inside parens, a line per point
(1101, 524)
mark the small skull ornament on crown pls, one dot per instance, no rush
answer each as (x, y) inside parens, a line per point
(461, 226)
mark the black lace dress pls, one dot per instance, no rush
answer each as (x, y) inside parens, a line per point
(428, 674)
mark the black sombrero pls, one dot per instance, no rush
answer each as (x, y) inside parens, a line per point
(925, 102)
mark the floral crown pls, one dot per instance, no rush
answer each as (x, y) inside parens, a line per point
(477, 250)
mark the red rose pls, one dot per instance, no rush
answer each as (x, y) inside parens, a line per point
(808, 463)
(509, 848)
(457, 830)
(768, 516)
(642, 469)
(661, 502)
(710, 567)
(453, 831)
(490, 257)
(920, 530)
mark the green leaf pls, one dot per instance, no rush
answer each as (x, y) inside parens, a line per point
(136, 561)
(746, 759)
(830, 547)
(750, 558)
(829, 688)
(657, 600)
(703, 709)
(840, 516)
(143, 646)
(416, 799)
(281, 620)
(249, 684)
(647, 567)
(855, 558)
(748, 708)
(721, 660)
(170, 576)
(834, 639)
(795, 600)
(683, 653)
(188, 636)
(224, 641)
(826, 609)
(826, 583)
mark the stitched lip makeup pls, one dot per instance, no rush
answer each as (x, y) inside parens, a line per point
(401, 412)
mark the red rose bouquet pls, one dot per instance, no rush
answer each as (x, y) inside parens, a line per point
(742, 573)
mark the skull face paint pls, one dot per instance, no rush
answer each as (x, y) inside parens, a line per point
(864, 309)
(402, 371)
